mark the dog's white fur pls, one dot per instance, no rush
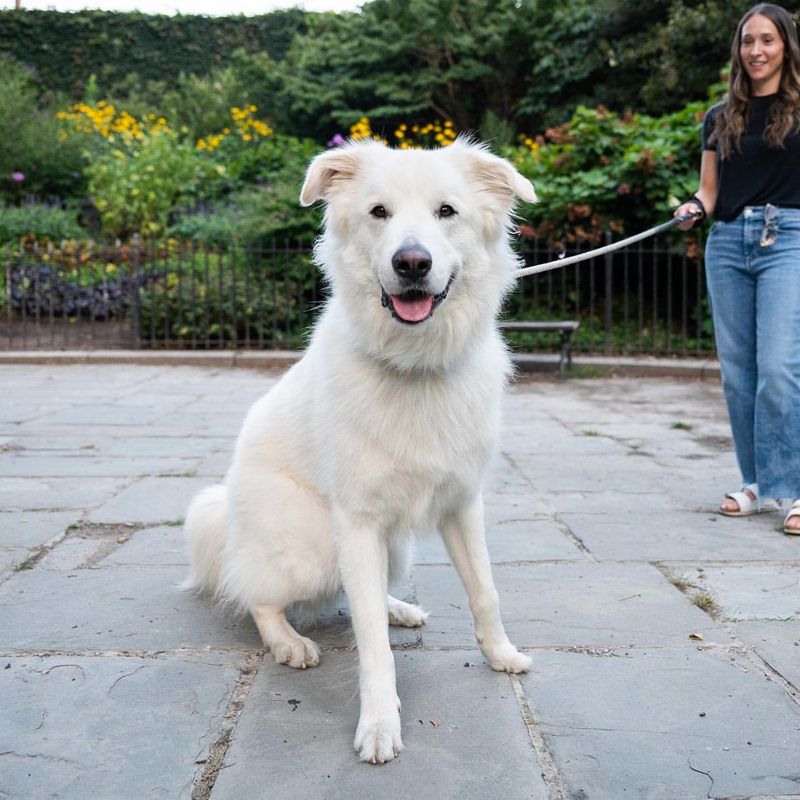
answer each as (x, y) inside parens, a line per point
(383, 427)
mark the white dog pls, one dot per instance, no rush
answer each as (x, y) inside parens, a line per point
(387, 423)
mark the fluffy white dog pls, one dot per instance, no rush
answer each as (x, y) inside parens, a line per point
(387, 423)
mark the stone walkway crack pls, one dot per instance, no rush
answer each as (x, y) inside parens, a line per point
(550, 773)
(204, 785)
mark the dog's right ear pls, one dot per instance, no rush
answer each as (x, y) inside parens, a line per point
(327, 170)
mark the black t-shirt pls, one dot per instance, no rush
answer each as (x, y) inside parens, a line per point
(755, 174)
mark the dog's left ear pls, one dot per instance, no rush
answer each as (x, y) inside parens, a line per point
(327, 170)
(501, 178)
(495, 174)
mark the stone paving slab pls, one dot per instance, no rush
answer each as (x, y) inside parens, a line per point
(153, 499)
(778, 643)
(76, 727)
(215, 466)
(38, 494)
(108, 414)
(88, 466)
(566, 605)
(11, 558)
(665, 724)
(513, 504)
(114, 609)
(162, 545)
(203, 422)
(295, 737)
(33, 528)
(755, 591)
(73, 553)
(512, 541)
(621, 502)
(642, 535)
(544, 445)
(177, 446)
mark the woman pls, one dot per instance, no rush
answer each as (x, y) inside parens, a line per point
(750, 182)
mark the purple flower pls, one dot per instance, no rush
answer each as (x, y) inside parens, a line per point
(17, 176)
(337, 140)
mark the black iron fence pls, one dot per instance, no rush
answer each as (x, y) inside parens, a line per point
(649, 298)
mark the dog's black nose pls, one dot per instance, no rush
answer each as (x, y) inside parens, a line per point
(412, 262)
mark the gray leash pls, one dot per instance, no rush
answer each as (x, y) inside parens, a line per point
(609, 248)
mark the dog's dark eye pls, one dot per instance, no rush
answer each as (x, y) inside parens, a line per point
(379, 212)
(446, 210)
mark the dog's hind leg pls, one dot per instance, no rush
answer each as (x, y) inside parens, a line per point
(284, 642)
(401, 613)
(406, 615)
(463, 533)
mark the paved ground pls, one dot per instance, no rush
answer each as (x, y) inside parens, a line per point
(665, 639)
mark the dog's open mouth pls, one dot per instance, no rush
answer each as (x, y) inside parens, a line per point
(413, 306)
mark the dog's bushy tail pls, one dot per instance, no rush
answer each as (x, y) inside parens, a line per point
(206, 531)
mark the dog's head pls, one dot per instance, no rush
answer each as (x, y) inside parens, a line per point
(417, 236)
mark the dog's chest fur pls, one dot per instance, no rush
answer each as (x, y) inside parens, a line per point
(409, 448)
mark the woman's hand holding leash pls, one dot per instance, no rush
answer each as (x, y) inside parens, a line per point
(692, 211)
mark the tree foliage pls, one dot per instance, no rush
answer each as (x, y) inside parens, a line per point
(529, 63)
(499, 67)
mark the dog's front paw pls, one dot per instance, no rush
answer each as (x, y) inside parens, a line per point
(508, 659)
(378, 740)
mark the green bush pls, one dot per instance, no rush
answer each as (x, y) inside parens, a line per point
(217, 228)
(137, 188)
(42, 223)
(266, 206)
(31, 144)
(601, 171)
(199, 104)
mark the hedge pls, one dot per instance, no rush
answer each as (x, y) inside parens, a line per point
(65, 49)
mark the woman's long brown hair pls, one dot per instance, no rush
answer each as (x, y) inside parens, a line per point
(784, 115)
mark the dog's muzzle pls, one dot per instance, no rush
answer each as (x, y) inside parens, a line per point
(411, 264)
(415, 305)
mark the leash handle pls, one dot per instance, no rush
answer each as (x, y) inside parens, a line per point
(609, 248)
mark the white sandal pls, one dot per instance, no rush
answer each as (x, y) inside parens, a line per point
(794, 511)
(749, 506)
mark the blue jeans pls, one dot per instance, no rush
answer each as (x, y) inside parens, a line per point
(755, 303)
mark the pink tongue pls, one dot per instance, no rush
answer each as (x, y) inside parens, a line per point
(412, 310)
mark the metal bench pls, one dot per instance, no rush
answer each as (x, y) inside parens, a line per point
(565, 328)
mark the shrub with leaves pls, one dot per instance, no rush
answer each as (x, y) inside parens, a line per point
(602, 171)
(33, 158)
(139, 170)
(137, 190)
(40, 222)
